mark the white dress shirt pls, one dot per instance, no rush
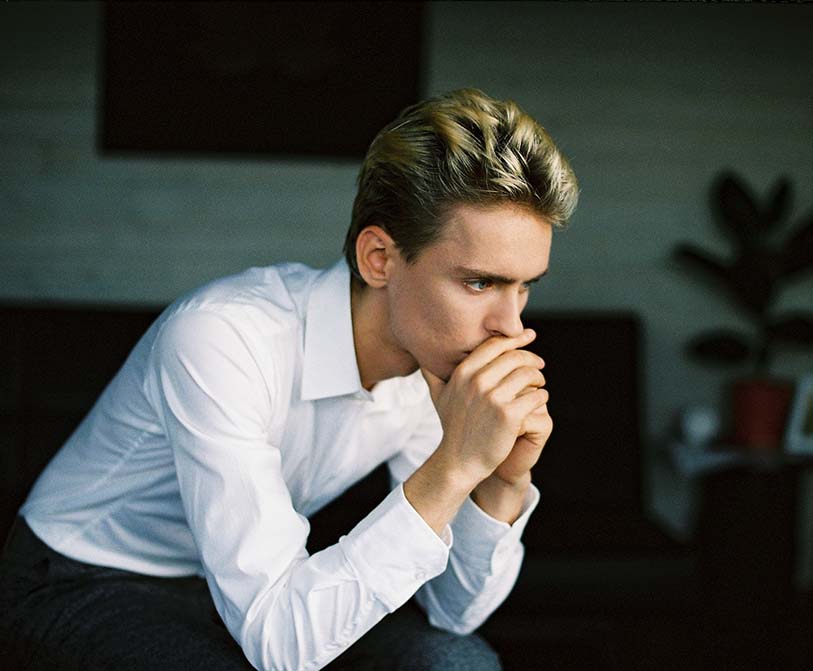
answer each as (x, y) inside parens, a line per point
(237, 415)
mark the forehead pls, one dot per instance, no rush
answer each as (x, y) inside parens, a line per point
(505, 240)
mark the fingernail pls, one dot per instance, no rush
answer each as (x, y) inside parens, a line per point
(527, 333)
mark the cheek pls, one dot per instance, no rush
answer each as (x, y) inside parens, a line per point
(427, 319)
(450, 318)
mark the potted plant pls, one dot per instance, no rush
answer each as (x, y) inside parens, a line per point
(765, 260)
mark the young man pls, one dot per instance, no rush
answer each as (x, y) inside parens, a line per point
(255, 400)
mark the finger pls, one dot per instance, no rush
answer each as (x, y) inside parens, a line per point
(498, 370)
(533, 387)
(541, 407)
(536, 420)
(536, 424)
(435, 383)
(491, 349)
(526, 403)
(517, 381)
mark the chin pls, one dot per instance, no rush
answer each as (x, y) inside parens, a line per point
(441, 364)
(446, 376)
(444, 369)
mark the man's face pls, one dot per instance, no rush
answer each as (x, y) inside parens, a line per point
(469, 285)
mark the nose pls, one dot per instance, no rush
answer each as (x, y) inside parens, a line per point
(504, 317)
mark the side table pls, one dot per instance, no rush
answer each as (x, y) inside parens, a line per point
(745, 529)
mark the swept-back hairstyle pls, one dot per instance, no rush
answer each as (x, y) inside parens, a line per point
(462, 147)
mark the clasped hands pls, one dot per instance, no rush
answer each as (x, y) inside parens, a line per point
(495, 420)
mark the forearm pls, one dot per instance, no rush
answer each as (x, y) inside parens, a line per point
(484, 562)
(323, 603)
(438, 488)
(462, 598)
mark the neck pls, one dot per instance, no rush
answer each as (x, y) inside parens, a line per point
(378, 355)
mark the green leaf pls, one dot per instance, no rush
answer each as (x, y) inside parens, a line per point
(794, 329)
(778, 204)
(695, 258)
(749, 281)
(797, 252)
(753, 280)
(737, 210)
(722, 347)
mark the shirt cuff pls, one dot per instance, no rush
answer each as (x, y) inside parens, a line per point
(394, 551)
(484, 541)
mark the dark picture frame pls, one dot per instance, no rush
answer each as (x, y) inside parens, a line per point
(302, 79)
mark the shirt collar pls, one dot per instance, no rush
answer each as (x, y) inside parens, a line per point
(330, 367)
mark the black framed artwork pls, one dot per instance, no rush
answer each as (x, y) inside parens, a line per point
(313, 79)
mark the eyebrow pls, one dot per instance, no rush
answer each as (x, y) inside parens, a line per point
(492, 277)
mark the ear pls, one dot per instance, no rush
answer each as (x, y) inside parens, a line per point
(375, 250)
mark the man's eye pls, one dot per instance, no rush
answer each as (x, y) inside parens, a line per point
(478, 285)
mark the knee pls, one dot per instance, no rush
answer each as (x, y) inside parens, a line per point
(450, 652)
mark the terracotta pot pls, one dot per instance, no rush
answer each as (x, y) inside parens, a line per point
(760, 408)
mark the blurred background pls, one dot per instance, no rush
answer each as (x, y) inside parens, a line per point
(650, 102)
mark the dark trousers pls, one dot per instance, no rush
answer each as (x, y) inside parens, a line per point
(65, 615)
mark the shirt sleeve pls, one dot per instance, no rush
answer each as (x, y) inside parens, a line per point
(286, 609)
(486, 554)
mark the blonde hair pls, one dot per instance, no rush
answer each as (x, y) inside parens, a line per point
(462, 147)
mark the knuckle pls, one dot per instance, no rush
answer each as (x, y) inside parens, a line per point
(520, 356)
(494, 343)
(492, 398)
(531, 377)
(531, 358)
(462, 370)
(505, 413)
(478, 384)
(455, 378)
(514, 358)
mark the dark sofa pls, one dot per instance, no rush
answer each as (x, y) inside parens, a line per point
(601, 586)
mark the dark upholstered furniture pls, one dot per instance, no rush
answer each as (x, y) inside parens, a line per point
(601, 587)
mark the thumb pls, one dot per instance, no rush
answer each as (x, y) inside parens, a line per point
(435, 383)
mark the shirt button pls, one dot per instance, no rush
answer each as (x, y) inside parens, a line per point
(420, 575)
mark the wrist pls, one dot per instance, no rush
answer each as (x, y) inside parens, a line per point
(500, 498)
(437, 489)
(461, 472)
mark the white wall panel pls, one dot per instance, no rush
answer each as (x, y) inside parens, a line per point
(649, 101)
